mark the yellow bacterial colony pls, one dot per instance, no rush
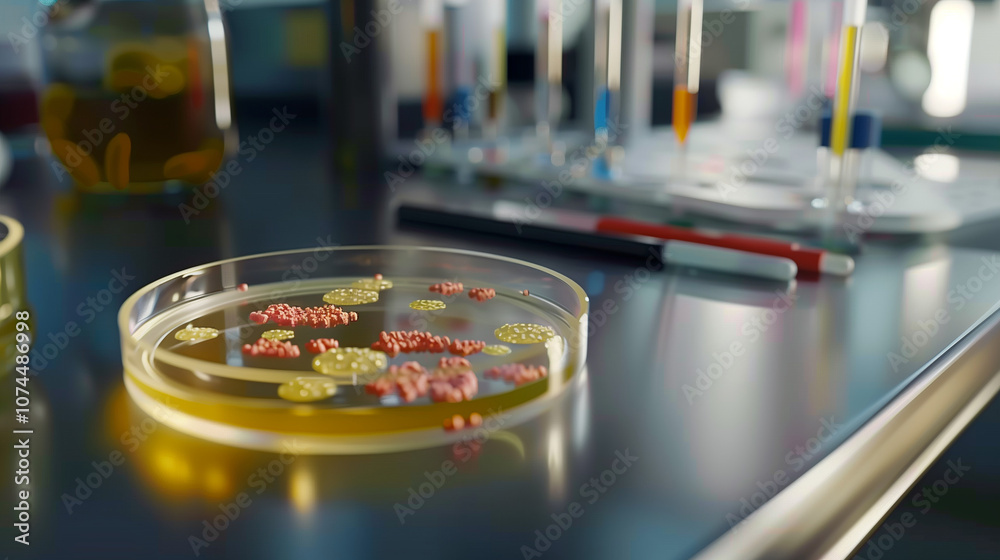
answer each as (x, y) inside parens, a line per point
(496, 350)
(524, 333)
(196, 334)
(350, 296)
(348, 362)
(427, 305)
(307, 389)
(278, 334)
(372, 284)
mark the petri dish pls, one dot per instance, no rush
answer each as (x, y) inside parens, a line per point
(213, 388)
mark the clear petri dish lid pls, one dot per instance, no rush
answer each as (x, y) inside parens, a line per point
(337, 348)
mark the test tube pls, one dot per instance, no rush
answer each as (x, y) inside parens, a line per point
(841, 176)
(497, 64)
(601, 17)
(459, 66)
(687, 66)
(548, 68)
(866, 134)
(797, 48)
(608, 66)
(831, 49)
(432, 20)
(555, 50)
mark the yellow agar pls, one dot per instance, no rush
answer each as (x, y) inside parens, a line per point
(348, 362)
(496, 350)
(350, 296)
(307, 389)
(278, 334)
(196, 334)
(427, 305)
(524, 333)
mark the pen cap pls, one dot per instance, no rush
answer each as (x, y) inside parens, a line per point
(730, 261)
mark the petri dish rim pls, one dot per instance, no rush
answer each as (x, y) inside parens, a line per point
(12, 281)
(12, 237)
(124, 314)
(290, 418)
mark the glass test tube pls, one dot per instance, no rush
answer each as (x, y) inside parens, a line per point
(548, 68)
(797, 48)
(831, 48)
(432, 20)
(613, 69)
(497, 62)
(843, 176)
(459, 66)
(687, 66)
(607, 86)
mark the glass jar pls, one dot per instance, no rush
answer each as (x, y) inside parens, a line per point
(137, 92)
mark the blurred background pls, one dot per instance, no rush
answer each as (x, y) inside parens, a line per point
(288, 52)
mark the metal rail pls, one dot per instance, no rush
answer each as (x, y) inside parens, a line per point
(830, 511)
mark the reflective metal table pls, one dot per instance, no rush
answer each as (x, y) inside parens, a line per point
(796, 413)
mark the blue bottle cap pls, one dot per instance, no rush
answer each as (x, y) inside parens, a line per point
(824, 129)
(866, 131)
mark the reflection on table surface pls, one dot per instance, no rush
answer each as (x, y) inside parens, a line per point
(704, 394)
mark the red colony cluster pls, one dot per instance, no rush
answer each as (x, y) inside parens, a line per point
(316, 317)
(409, 380)
(456, 422)
(258, 317)
(482, 294)
(394, 342)
(453, 381)
(320, 345)
(466, 347)
(448, 288)
(518, 374)
(272, 349)
(452, 365)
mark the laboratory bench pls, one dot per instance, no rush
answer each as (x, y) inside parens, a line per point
(717, 416)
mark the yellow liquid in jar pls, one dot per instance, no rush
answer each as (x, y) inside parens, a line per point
(149, 110)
